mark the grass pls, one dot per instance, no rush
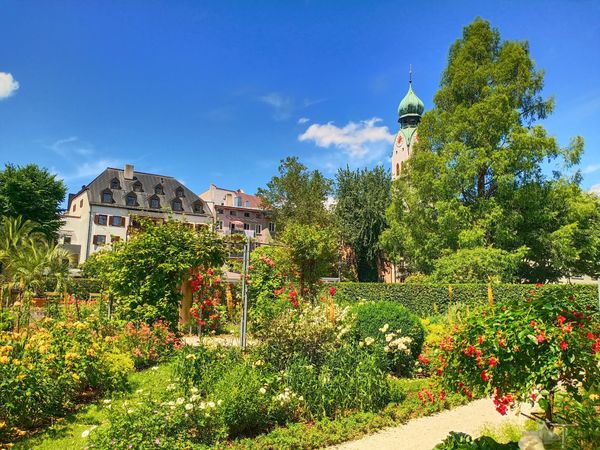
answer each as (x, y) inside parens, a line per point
(66, 434)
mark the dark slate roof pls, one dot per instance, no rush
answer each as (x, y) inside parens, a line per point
(149, 181)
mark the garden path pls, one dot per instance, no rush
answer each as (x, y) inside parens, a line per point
(426, 432)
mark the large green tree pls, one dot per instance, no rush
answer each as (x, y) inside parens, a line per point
(34, 194)
(297, 195)
(362, 197)
(477, 177)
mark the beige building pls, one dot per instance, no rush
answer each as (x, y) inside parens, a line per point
(106, 210)
(238, 212)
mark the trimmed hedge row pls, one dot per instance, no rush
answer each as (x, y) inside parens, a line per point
(427, 299)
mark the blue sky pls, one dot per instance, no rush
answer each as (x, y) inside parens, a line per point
(219, 92)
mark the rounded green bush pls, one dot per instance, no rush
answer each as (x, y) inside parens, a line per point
(385, 323)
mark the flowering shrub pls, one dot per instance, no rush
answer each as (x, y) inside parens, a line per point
(148, 344)
(304, 330)
(174, 423)
(522, 350)
(44, 370)
(389, 328)
(208, 292)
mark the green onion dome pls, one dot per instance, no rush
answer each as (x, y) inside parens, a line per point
(411, 105)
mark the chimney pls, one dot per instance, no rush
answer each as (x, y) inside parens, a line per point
(128, 172)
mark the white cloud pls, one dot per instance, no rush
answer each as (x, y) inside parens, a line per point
(88, 170)
(590, 168)
(69, 146)
(595, 189)
(363, 140)
(303, 120)
(282, 106)
(8, 85)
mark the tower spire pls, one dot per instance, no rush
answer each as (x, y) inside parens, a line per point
(410, 74)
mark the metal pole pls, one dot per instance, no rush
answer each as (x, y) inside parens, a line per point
(244, 323)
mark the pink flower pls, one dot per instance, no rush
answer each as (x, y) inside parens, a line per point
(564, 345)
(560, 319)
(541, 337)
(332, 291)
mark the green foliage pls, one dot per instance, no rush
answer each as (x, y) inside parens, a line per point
(43, 371)
(148, 344)
(362, 196)
(297, 195)
(396, 333)
(583, 412)
(425, 299)
(268, 273)
(32, 193)
(145, 273)
(479, 264)
(523, 349)
(305, 333)
(477, 178)
(462, 441)
(312, 252)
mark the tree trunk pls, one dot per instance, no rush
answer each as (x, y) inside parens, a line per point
(186, 303)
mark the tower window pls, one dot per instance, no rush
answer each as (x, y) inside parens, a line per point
(397, 169)
(115, 184)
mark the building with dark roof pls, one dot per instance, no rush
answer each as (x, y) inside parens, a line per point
(105, 210)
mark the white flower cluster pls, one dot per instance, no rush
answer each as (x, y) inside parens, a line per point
(287, 396)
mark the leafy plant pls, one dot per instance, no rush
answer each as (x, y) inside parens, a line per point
(391, 329)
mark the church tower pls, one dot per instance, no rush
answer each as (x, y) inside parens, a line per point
(409, 115)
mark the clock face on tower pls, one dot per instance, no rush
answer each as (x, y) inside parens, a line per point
(400, 147)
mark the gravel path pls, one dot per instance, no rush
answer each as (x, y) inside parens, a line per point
(426, 432)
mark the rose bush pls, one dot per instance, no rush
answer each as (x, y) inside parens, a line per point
(208, 293)
(522, 350)
(148, 344)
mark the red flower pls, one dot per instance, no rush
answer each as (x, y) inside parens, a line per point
(596, 345)
(533, 397)
(423, 359)
(332, 291)
(532, 324)
(442, 396)
(590, 335)
(484, 375)
(493, 361)
(480, 339)
(541, 337)
(538, 284)
(564, 345)
(568, 328)
(560, 319)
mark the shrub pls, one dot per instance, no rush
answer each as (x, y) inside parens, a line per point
(425, 299)
(174, 423)
(148, 344)
(305, 331)
(244, 409)
(523, 350)
(389, 328)
(349, 379)
(462, 441)
(207, 294)
(44, 370)
(201, 367)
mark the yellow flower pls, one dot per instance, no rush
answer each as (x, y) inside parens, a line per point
(20, 376)
(80, 325)
(75, 376)
(51, 357)
(190, 356)
(71, 355)
(16, 362)
(91, 352)
(30, 367)
(4, 359)
(27, 346)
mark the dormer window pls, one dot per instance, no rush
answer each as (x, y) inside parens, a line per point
(137, 187)
(115, 184)
(238, 201)
(177, 205)
(131, 199)
(154, 202)
(199, 207)
(158, 190)
(106, 196)
(179, 192)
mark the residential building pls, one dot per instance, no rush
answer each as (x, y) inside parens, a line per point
(238, 212)
(108, 208)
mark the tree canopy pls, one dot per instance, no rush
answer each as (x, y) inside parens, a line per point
(362, 197)
(297, 195)
(34, 194)
(478, 175)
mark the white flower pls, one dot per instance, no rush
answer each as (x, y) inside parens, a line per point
(369, 340)
(219, 402)
(202, 405)
(389, 337)
(106, 401)
(180, 401)
(211, 404)
(386, 349)
(189, 406)
(154, 368)
(262, 390)
(85, 434)
(385, 328)
(139, 391)
(194, 390)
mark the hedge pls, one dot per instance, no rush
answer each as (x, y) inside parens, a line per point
(427, 299)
